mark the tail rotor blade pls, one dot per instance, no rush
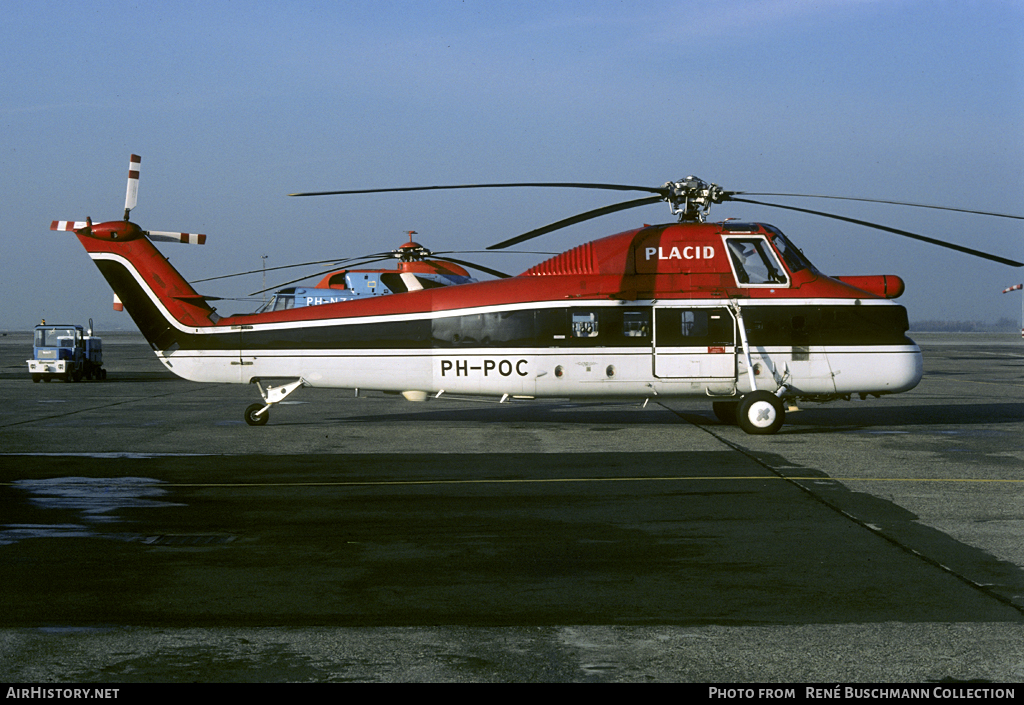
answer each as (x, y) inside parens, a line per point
(183, 238)
(132, 196)
(69, 225)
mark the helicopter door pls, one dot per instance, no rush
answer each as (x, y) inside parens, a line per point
(694, 343)
(242, 363)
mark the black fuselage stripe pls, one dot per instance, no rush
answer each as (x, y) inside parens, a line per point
(620, 326)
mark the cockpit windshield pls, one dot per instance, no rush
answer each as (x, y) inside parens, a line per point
(754, 263)
(282, 301)
(793, 257)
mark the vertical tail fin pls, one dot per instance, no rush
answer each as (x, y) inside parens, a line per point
(161, 302)
(163, 305)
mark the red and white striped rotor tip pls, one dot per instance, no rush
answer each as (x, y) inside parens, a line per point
(184, 238)
(68, 225)
(132, 196)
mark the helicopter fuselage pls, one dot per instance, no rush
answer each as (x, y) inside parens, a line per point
(708, 310)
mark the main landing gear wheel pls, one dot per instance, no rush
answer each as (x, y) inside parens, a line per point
(253, 419)
(760, 413)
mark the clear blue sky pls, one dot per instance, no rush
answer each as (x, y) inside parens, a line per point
(233, 105)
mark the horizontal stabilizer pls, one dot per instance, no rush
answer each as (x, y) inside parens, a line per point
(197, 297)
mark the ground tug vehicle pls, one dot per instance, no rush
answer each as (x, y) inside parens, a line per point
(66, 352)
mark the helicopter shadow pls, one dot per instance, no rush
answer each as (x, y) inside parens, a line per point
(809, 420)
(528, 413)
(963, 416)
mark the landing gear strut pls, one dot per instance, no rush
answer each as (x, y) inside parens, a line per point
(259, 414)
(759, 412)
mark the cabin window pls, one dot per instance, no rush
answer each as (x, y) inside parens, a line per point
(684, 327)
(694, 323)
(636, 324)
(754, 262)
(583, 327)
(584, 324)
(609, 326)
(502, 328)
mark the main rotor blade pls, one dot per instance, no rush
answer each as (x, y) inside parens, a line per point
(904, 233)
(730, 194)
(597, 213)
(473, 265)
(292, 266)
(317, 274)
(540, 184)
(489, 252)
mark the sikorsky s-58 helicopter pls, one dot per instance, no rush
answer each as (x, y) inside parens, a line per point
(730, 312)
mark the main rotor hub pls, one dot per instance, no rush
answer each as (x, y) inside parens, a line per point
(691, 198)
(411, 252)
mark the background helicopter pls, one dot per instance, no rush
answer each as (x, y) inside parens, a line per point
(732, 312)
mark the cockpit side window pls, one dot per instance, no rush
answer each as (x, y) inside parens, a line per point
(754, 263)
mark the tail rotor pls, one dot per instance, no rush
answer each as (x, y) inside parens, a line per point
(125, 230)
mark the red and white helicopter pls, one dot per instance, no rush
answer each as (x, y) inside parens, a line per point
(731, 312)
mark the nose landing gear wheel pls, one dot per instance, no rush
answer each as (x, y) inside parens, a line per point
(253, 419)
(760, 413)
